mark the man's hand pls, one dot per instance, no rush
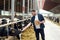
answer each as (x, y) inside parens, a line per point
(31, 24)
(42, 21)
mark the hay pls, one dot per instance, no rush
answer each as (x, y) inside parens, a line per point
(28, 34)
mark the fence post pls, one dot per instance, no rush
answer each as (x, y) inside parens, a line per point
(12, 10)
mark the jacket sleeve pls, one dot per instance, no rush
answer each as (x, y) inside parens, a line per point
(41, 18)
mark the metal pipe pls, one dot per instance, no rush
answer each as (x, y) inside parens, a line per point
(37, 5)
(31, 4)
(12, 9)
(9, 6)
(23, 8)
(4, 7)
(28, 7)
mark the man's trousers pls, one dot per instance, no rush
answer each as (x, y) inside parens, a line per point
(41, 31)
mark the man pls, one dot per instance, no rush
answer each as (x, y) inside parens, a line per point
(38, 25)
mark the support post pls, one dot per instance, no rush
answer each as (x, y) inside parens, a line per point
(23, 8)
(4, 7)
(12, 9)
(28, 7)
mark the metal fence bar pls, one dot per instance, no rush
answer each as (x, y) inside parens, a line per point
(12, 23)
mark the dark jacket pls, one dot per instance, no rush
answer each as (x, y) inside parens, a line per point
(41, 18)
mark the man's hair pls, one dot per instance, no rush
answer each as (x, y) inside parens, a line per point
(33, 11)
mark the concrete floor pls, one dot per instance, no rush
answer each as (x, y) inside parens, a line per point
(52, 31)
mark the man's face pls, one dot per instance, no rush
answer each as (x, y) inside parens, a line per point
(33, 13)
